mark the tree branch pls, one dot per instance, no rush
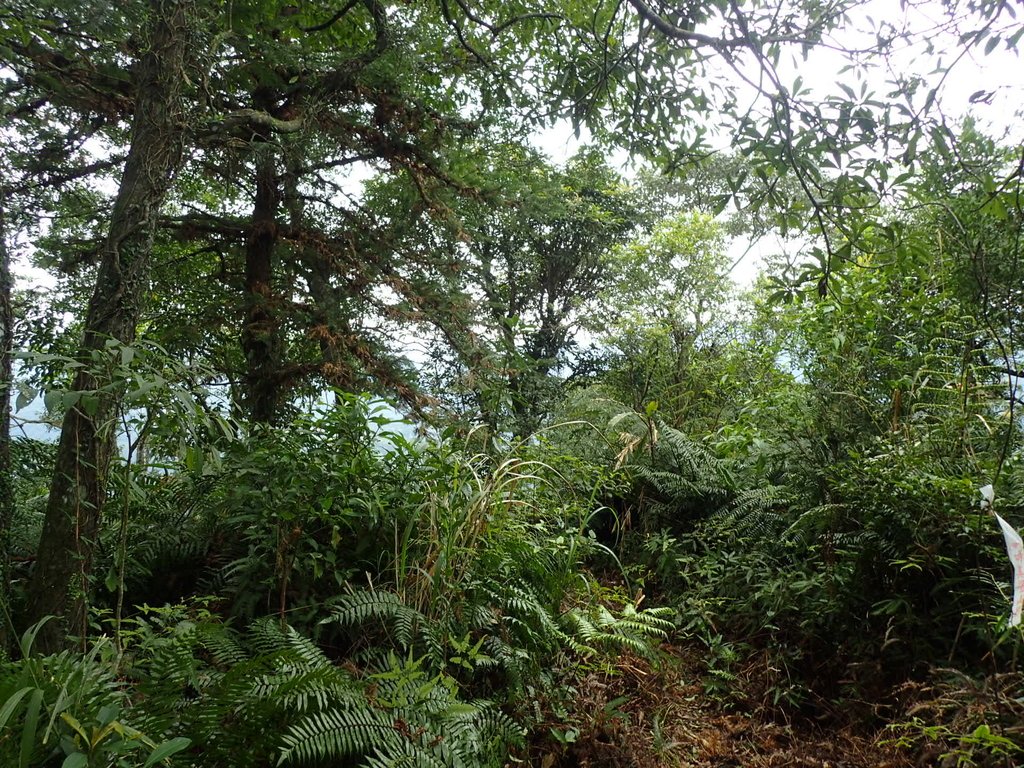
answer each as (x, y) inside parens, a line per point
(248, 123)
(334, 19)
(678, 33)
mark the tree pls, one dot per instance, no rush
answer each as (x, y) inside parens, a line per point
(668, 303)
(356, 90)
(536, 263)
(977, 226)
(849, 149)
(318, 285)
(58, 92)
(6, 387)
(60, 584)
(336, 83)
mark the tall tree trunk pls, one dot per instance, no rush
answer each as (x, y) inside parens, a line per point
(60, 585)
(6, 481)
(261, 336)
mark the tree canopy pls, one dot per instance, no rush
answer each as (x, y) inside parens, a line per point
(378, 425)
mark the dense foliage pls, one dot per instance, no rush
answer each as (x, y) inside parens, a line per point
(386, 440)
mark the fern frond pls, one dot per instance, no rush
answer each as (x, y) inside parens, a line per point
(514, 662)
(684, 455)
(405, 754)
(334, 733)
(634, 630)
(365, 605)
(814, 521)
(222, 644)
(757, 511)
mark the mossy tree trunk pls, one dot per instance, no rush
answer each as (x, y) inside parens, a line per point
(261, 339)
(60, 584)
(6, 380)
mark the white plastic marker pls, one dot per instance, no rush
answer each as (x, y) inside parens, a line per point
(1015, 549)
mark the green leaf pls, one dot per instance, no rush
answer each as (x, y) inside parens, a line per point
(108, 714)
(11, 704)
(53, 399)
(76, 726)
(26, 395)
(29, 636)
(90, 403)
(75, 760)
(995, 208)
(165, 750)
(30, 729)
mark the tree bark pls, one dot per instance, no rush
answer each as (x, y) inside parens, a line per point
(261, 339)
(6, 481)
(60, 584)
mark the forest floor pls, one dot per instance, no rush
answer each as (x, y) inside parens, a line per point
(642, 714)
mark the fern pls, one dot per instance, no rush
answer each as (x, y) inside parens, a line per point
(756, 511)
(400, 716)
(41, 695)
(407, 625)
(681, 454)
(223, 645)
(635, 630)
(814, 521)
(680, 476)
(515, 663)
(337, 732)
(403, 753)
(410, 719)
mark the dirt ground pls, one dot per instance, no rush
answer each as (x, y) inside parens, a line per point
(641, 714)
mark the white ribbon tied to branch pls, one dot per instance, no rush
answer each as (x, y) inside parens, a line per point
(1015, 549)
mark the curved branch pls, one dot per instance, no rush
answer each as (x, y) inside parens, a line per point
(334, 19)
(678, 33)
(446, 13)
(497, 29)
